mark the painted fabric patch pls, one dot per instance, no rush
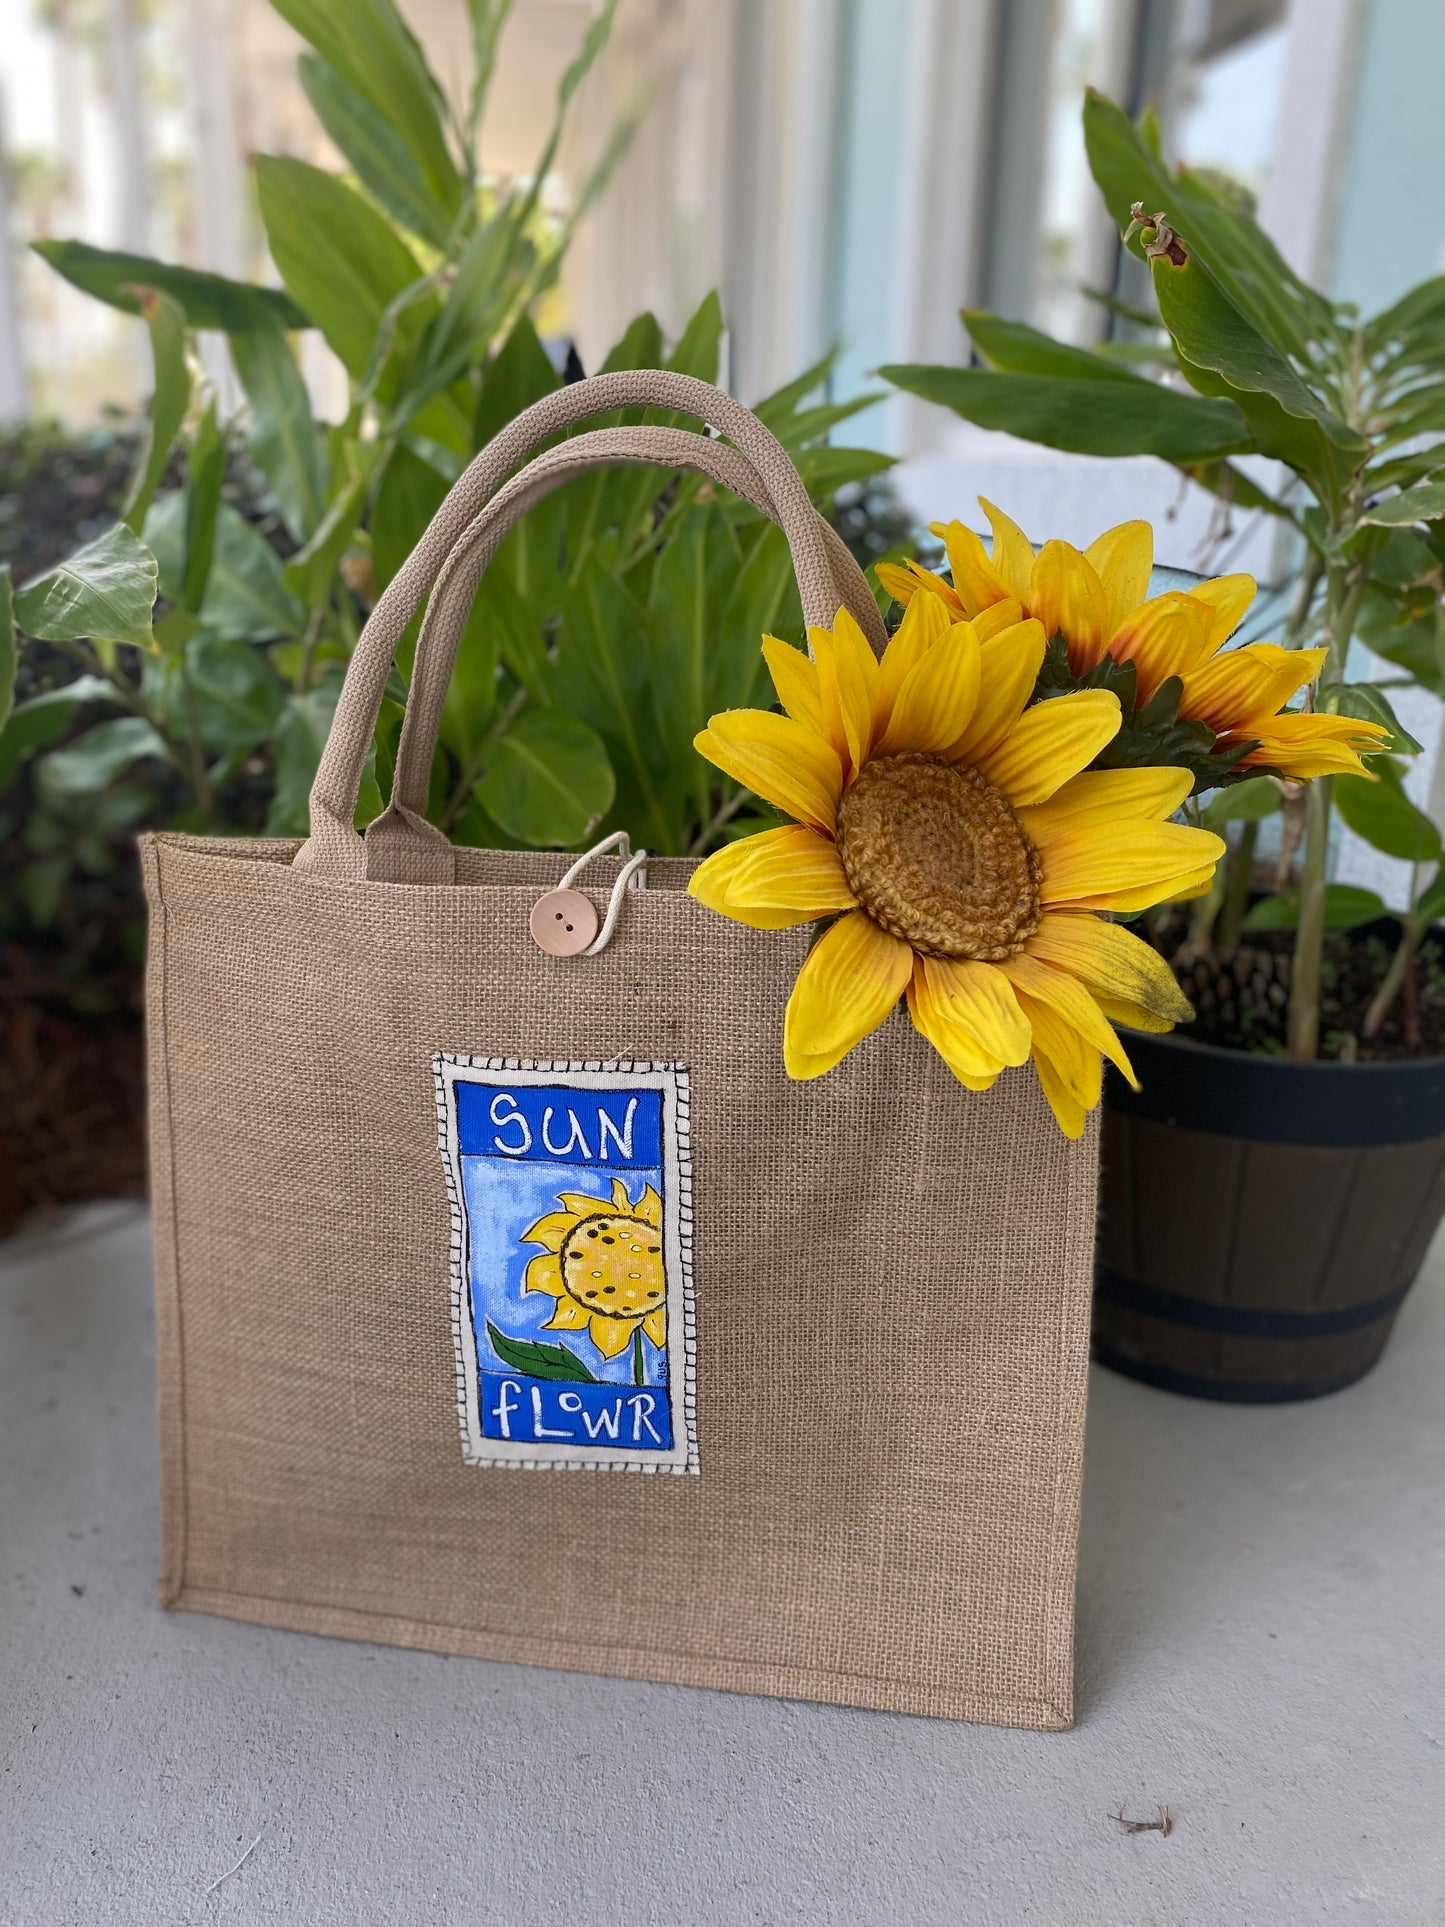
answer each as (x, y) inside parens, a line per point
(570, 1187)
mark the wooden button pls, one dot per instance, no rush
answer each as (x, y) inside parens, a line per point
(563, 923)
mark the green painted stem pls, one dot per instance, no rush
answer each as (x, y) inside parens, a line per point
(639, 1370)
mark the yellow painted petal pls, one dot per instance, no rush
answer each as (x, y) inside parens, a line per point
(1106, 796)
(1040, 983)
(796, 680)
(1130, 866)
(1232, 689)
(793, 870)
(712, 879)
(784, 762)
(1069, 600)
(544, 1273)
(1013, 553)
(1166, 637)
(612, 1335)
(655, 1325)
(1114, 964)
(925, 620)
(583, 1205)
(998, 616)
(650, 1209)
(904, 583)
(1226, 597)
(977, 583)
(938, 696)
(975, 1002)
(568, 1316)
(851, 979)
(621, 1196)
(1122, 558)
(1008, 669)
(1050, 743)
(550, 1230)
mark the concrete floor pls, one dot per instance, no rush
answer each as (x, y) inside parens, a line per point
(1261, 1632)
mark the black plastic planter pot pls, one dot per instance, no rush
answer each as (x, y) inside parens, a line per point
(1260, 1220)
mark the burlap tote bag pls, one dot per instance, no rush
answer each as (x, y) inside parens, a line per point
(834, 1333)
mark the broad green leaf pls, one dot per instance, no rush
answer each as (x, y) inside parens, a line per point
(35, 724)
(699, 346)
(1022, 350)
(476, 303)
(206, 300)
(384, 164)
(594, 503)
(517, 375)
(548, 782)
(299, 739)
(1416, 643)
(1247, 802)
(409, 496)
(1423, 504)
(537, 1360)
(104, 591)
(371, 48)
(283, 438)
(1430, 904)
(520, 374)
(1384, 816)
(1346, 905)
(93, 761)
(690, 584)
(170, 397)
(7, 647)
(203, 501)
(335, 253)
(311, 572)
(246, 593)
(593, 41)
(1369, 704)
(519, 634)
(826, 469)
(1421, 310)
(488, 17)
(762, 601)
(472, 691)
(237, 696)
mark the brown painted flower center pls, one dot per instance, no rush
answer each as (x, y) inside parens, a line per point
(613, 1265)
(935, 855)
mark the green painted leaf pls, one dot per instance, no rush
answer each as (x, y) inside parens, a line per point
(1426, 503)
(35, 724)
(1089, 417)
(1371, 705)
(1346, 905)
(93, 761)
(336, 254)
(282, 436)
(203, 502)
(206, 300)
(1246, 802)
(170, 398)
(7, 647)
(539, 1361)
(1381, 813)
(549, 781)
(104, 591)
(384, 164)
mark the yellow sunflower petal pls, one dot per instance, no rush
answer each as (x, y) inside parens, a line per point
(544, 1273)
(1069, 600)
(568, 1316)
(1050, 743)
(1132, 1016)
(998, 616)
(1166, 637)
(1008, 669)
(1105, 796)
(926, 618)
(1117, 966)
(621, 1196)
(1226, 597)
(550, 1230)
(1013, 553)
(851, 979)
(655, 1325)
(1070, 1114)
(972, 1066)
(1122, 558)
(848, 678)
(784, 762)
(1314, 745)
(904, 583)
(975, 1003)
(796, 680)
(650, 1208)
(712, 879)
(938, 696)
(1041, 983)
(791, 870)
(1127, 866)
(1232, 689)
(977, 583)
(611, 1335)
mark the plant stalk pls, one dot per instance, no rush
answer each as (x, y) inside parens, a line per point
(1398, 977)
(1304, 989)
(1239, 875)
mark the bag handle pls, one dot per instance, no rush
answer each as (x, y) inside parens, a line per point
(334, 847)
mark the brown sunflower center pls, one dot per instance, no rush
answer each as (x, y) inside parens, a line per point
(613, 1265)
(935, 855)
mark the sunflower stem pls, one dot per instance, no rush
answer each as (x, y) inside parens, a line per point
(1304, 987)
(1239, 875)
(639, 1370)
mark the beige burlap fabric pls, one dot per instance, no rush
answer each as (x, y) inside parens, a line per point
(891, 1274)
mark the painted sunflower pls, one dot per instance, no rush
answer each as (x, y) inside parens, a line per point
(964, 848)
(603, 1264)
(1096, 600)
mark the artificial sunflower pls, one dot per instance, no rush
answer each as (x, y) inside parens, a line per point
(603, 1265)
(1096, 602)
(964, 847)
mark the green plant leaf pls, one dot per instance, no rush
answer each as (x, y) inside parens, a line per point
(336, 254)
(237, 696)
(300, 737)
(1426, 503)
(472, 691)
(1247, 802)
(203, 501)
(690, 583)
(283, 437)
(762, 601)
(170, 398)
(104, 591)
(409, 495)
(1346, 905)
(518, 375)
(35, 724)
(1430, 904)
(1371, 705)
(549, 781)
(537, 1360)
(1089, 417)
(7, 647)
(93, 761)
(373, 51)
(1415, 643)
(311, 572)
(1381, 813)
(1022, 350)
(384, 164)
(206, 300)
(825, 469)
(520, 642)
(246, 594)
